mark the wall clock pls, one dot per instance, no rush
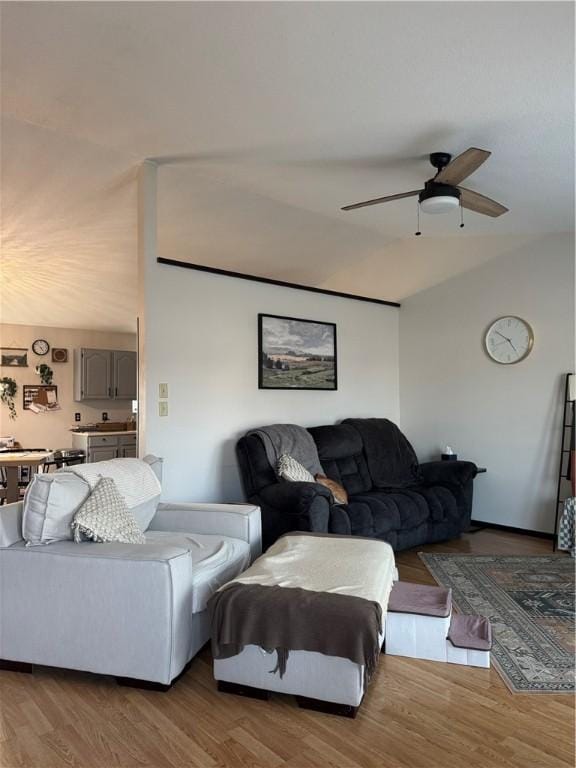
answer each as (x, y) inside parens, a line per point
(509, 339)
(40, 347)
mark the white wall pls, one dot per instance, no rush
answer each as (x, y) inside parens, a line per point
(507, 418)
(200, 336)
(52, 430)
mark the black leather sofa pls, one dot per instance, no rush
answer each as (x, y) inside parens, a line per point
(391, 496)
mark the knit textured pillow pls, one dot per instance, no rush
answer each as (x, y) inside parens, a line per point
(104, 516)
(289, 469)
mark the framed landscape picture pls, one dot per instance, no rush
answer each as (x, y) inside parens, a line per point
(13, 357)
(296, 354)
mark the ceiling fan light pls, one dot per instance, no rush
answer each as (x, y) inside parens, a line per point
(440, 204)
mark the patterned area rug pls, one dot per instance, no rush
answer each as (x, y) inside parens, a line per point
(530, 602)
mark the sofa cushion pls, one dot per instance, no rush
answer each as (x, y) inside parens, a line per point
(215, 560)
(336, 441)
(378, 512)
(442, 501)
(341, 454)
(50, 503)
(391, 459)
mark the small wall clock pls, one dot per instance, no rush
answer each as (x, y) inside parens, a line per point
(509, 340)
(40, 347)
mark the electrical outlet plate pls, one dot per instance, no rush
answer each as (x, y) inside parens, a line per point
(77, 417)
(163, 391)
(163, 408)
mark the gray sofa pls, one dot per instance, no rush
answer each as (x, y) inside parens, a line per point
(391, 495)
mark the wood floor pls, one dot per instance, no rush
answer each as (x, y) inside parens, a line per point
(416, 714)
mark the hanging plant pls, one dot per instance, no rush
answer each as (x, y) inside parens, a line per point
(45, 373)
(8, 390)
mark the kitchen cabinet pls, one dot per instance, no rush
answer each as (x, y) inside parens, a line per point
(101, 454)
(101, 446)
(95, 374)
(124, 375)
(105, 374)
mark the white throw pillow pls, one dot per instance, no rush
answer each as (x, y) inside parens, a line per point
(50, 503)
(104, 516)
(288, 468)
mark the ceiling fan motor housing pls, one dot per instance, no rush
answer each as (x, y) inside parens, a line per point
(440, 159)
(439, 198)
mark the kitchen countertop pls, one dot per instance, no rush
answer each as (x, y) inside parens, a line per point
(101, 432)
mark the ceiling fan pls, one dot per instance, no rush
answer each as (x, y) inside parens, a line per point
(442, 193)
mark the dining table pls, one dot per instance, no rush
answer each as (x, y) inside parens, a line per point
(11, 461)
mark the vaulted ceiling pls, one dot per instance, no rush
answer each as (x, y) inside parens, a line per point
(267, 118)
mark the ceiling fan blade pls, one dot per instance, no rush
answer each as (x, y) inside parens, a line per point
(474, 201)
(378, 200)
(462, 166)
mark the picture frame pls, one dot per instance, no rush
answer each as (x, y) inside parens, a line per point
(59, 355)
(13, 357)
(294, 353)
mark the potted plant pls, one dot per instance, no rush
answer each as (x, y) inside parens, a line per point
(45, 373)
(8, 390)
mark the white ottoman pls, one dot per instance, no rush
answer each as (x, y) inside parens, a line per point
(324, 566)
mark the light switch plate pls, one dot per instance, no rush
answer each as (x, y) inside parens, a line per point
(163, 391)
(163, 408)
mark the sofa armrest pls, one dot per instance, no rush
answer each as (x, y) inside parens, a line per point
(11, 523)
(448, 472)
(308, 504)
(242, 521)
(114, 609)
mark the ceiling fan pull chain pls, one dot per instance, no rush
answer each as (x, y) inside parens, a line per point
(418, 219)
(461, 215)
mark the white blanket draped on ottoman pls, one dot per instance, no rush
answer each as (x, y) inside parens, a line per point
(316, 593)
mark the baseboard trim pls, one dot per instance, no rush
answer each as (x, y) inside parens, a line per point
(16, 666)
(480, 524)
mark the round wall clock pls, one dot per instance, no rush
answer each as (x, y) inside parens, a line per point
(509, 339)
(40, 347)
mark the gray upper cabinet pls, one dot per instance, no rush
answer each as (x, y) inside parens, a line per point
(124, 364)
(104, 374)
(95, 374)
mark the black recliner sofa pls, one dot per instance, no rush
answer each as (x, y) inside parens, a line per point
(391, 496)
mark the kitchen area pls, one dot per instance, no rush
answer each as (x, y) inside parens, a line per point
(67, 396)
(108, 376)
